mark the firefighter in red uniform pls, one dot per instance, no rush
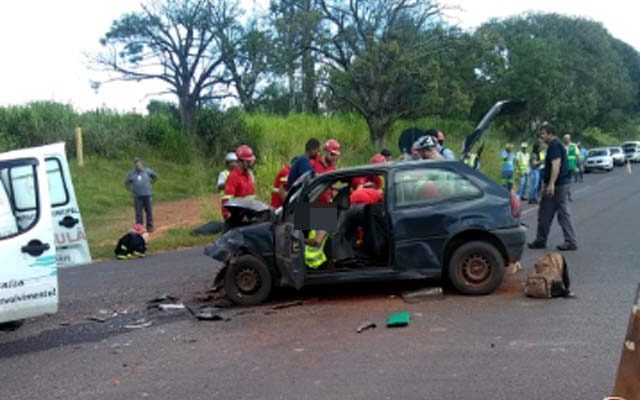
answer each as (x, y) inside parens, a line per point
(370, 181)
(240, 183)
(280, 186)
(326, 163)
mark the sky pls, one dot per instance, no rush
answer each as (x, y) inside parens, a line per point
(45, 44)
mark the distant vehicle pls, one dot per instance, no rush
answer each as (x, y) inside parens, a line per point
(631, 151)
(618, 156)
(599, 158)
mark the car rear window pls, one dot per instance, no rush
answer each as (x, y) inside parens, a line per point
(615, 151)
(423, 186)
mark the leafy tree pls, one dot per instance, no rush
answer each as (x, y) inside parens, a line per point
(174, 42)
(374, 52)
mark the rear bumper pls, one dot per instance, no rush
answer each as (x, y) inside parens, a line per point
(514, 240)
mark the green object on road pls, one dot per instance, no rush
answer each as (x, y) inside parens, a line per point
(400, 318)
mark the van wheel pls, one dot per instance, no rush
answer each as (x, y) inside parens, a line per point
(11, 325)
(248, 281)
(476, 268)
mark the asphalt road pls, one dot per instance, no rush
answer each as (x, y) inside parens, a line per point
(502, 346)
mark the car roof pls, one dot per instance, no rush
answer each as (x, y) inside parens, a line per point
(390, 166)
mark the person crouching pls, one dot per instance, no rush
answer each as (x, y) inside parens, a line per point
(133, 244)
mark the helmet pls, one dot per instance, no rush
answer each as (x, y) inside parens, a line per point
(245, 153)
(426, 142)
(377, 159)
(138, 228)
(524, 144)
(230, 157)
(332, 146)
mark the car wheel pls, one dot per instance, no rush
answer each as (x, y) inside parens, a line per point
(476, 268)
(247, 281)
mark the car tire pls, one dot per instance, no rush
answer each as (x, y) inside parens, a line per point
(476, 268)
(248, 281)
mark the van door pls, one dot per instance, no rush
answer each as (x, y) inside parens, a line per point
(28, 274)
(72, 247)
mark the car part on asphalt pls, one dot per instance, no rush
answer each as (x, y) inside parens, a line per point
(423, 294)
(366, 326)
(398, 319)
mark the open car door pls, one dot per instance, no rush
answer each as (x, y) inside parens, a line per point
(72, 247)
(28, 276)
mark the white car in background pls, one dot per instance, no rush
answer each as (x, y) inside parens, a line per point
(618, 156)
(631, 151)
(599, 158)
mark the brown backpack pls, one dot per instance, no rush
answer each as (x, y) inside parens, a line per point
(549, 278)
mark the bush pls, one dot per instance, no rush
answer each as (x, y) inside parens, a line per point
(222, 131)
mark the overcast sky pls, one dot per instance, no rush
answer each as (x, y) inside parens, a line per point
(44, 43)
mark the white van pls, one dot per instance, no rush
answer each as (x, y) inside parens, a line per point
(631, 151)
(40, 229)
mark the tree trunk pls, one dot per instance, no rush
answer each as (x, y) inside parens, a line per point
(188, 112)
(309, 103)
(292, 86)
(379, 127)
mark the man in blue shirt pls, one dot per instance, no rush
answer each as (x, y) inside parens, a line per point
(556, 179)
(302, 163)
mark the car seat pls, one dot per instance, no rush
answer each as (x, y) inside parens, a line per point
(342, 248)
(376, 233)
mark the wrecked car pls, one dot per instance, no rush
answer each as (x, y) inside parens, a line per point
(465, 228)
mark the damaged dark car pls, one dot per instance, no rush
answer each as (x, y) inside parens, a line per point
(436, 219)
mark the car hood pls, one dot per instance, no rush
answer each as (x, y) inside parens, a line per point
(256, 239)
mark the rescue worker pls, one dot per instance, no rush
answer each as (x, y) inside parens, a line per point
(231, 162)
(241, 182)
(280, 187)
(370, 181)
(507, 166)
(327, 163)
(303, 162)
(522, 169)
(572, 157)
(386, 153)
(444, 151)
(534, 173)
(314, 255)
(427, 148)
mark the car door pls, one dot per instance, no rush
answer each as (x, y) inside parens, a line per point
(28, 274)
(289, 242)
(426, 202)
(72, 247)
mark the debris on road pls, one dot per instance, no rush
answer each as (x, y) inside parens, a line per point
(139, 324)
(170, 306)
(287, 305)
(97, 318)
(423, 294)
(64, 323)
(165, 298)
(365, 326)
(207, 313)
(513, 268)
(398, 319)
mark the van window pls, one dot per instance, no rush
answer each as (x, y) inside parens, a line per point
(57, 187)
(18, 193)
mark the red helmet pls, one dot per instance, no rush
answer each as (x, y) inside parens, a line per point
(377, 159)
(245, 153)
(332, 146)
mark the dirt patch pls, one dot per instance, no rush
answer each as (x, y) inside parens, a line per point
(179, 214)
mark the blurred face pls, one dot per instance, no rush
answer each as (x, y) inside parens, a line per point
(232, 164)
(545, 136)
(314, 152)
(138, 165)
(427, 154)
(566, 139)
(332, 158)
(246, 164)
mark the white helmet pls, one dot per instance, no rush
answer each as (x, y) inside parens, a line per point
(425, 142)
(231, 156)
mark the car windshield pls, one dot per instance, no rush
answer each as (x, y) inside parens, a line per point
(615, 150)
(629, 147)
(596, 153)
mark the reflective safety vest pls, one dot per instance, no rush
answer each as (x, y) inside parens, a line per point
(523, 162)
(470, 160)
(572, 156)
(314, 256)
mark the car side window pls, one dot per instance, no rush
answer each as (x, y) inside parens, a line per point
(424, 186)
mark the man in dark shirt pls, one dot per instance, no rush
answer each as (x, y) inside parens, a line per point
(302, 163)
(556, 181)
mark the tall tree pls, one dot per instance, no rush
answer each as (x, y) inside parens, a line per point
(246, 53)
(172, 41)
(374, 51)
